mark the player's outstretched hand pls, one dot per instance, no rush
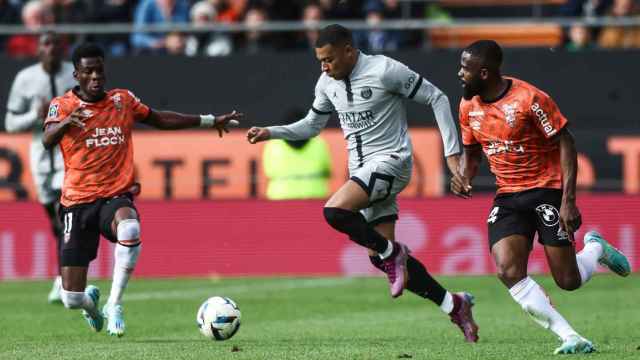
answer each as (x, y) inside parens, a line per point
(257, 134)
(223, 122)
(460, 186)
(570, 218)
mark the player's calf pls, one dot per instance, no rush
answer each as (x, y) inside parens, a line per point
(356, 227)
(126, 253)
(568, 282)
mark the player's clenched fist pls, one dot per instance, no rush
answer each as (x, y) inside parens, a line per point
(75, 118)
(460, 186)
(257, 134)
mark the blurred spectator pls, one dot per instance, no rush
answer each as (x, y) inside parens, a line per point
(297, 169)
(112, 11)
(281, 9)
(588, 8)
(175, 44)
(157, 12)
(210, 44)
(229, 10)
(27, 107)
(8, 15)
(68, 11)
(391, 9)
(579, 38)
(341, 9)
(255, 41)
(618, 36)
(35, 14)
(311, 14)
(376, 40)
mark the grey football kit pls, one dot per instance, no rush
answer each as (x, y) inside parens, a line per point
(31, 86)
(369, 105)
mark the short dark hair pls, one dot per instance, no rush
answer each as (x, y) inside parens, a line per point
(334, 35)
(489, 53)
(86, 50)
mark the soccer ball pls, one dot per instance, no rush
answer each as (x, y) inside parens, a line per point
(218, 318)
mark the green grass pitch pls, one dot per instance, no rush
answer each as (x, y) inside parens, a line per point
(318, 318)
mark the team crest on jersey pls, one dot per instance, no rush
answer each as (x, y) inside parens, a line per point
(548, 214)
(366, 93)
(53, 111)
(510, 113)
(117, 101)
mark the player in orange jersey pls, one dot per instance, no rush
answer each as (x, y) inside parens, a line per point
(531, 152)
(93, 128)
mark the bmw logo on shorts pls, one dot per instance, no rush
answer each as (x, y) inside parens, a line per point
(548, 214)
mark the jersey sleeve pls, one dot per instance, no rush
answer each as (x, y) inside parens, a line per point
(321, 103)
(58, 111)
(546, 114)
(398, 78)
(465, 128)
(140, 111)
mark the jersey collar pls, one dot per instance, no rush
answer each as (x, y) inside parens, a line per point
(75, 90)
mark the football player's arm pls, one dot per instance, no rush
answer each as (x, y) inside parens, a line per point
(470, 159)
(400, 79)
(169, 120)
(429, 94)
(569, 214)
(306, 128)
(55, 130)
(547, 116)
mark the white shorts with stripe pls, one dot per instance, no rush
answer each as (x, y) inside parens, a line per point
(383, 177)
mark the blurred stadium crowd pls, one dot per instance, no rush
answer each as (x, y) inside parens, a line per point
(34, 14)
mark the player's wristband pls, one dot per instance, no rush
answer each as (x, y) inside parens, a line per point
(207, 121)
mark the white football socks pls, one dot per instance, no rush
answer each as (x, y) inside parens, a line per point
(587, 260)
(57, 282)
(78, 300)
(447, 303)
(126, 258)
(535, 302)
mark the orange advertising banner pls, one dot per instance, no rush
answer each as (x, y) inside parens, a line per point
(200, 165)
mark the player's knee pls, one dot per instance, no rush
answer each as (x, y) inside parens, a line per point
(339, 219)
(510, 275)
(72, 299)
(568, 282)
(128, 232)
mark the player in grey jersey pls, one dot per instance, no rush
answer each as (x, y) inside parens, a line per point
(367, 93)
(27, 106)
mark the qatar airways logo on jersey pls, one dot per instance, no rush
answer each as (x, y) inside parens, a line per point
(108, 136)
(543, 119)
(356, 120)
